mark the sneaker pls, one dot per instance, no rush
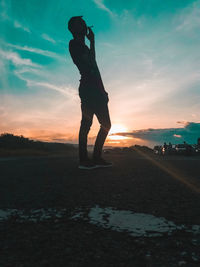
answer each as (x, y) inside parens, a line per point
(87, 165)
(102, 163)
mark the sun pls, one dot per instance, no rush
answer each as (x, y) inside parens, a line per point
(117, 128)
(114, 137)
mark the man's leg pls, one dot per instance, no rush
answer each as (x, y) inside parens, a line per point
(86, 122)
(102, 113)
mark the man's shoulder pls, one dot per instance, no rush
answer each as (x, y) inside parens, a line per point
(74, 42)
(74, 45)
(71, 42)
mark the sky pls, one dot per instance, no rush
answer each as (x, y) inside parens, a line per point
(147, 53)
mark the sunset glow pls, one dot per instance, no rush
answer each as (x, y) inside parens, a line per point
(117, 128)
(117, 139)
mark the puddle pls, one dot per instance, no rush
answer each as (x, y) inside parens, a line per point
(135, 224)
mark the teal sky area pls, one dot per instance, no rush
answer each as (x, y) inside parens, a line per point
(147, 53)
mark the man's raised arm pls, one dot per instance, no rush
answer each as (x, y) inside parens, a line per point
(90, 37)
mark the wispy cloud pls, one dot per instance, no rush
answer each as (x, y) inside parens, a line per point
(67, 91)
(100, 4)
(5, 14)
(18, 25)
(16, 59)
(177, 135)
(48, 38)
(189, 18)
(35, 50)
(40, 77)
(4, 5)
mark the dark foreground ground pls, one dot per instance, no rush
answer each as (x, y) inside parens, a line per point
(164, 187)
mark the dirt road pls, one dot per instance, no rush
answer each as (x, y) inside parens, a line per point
(137, 184)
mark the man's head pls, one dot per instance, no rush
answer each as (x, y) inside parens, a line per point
(77, 26)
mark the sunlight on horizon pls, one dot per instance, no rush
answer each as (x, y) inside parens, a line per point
(117, 128)
(115, 139)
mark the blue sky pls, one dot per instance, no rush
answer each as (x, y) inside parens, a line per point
(147, 53)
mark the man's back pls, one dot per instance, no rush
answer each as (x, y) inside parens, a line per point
(91, 85)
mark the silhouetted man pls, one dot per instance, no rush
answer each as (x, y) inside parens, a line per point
(94, 98)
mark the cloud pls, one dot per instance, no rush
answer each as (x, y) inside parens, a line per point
(48, 38)
(18, 25)
(100, 4)
(64, 90)
(189, 133)
(61, 89)
(26, 67)
(35, 50)
(4, 7)
(184, 123)
(189, 18)
(16, 59)
(5, 15)
(40, 77)
(177, 135)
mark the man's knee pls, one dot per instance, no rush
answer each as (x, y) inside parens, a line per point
(106, 126)
(86, 124)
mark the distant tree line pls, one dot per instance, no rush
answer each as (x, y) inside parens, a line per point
(135, 148)
(10, 141)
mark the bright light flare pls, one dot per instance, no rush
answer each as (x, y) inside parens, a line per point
(117, 128)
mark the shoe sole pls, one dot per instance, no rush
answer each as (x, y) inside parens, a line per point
(87, 168)
(104, 166)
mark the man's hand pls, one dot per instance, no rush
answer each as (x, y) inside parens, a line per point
(90, 35)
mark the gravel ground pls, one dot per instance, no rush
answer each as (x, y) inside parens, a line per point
(166, 187)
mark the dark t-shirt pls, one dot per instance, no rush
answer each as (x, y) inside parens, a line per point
(91, 86)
